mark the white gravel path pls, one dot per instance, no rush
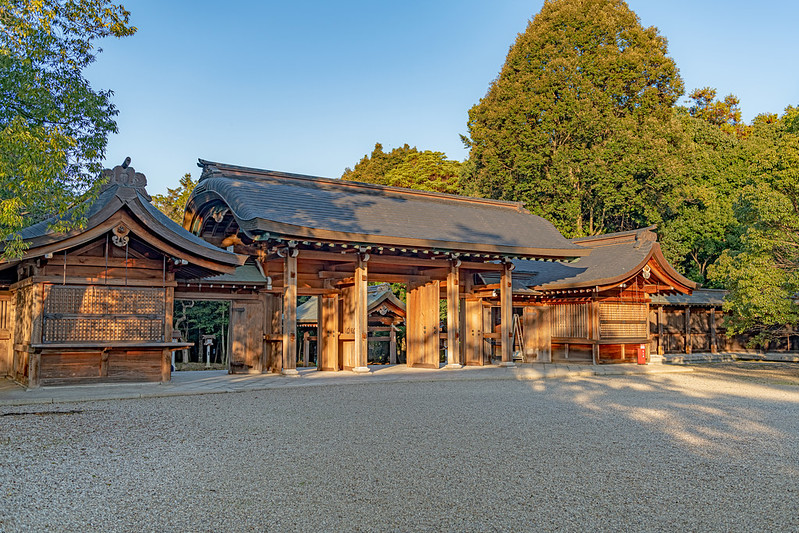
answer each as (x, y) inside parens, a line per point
(673, 452)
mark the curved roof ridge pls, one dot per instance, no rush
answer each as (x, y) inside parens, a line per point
(215, 169)
(640, 235)
(123, 192)
(265, 204)
(608, 264)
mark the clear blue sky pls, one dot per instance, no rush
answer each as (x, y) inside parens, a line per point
(310, 86)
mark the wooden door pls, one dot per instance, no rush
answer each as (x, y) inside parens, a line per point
(423, 325)
(327, 333)
(273, 333)
(6, 333)
(537, 337)
(473, 332)
(346, 317)
(246, 334)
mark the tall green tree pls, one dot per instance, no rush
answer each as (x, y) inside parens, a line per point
(762, 270)
(701, 222)
(53, 124)
(173, 203)
(579, 123)
(407, 167)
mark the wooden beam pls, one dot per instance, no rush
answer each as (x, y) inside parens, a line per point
(98, 280)
(333, 274)
(661, 343)
(373, 276)
(113, 262)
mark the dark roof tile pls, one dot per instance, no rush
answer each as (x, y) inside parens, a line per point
(308, 207)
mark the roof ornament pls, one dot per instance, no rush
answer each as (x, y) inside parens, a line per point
(120, 237)
(218, 214)
(643, 236)
(646, 272)
(125, 175)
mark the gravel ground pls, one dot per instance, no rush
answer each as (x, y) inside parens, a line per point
(756, 371)
(703, 451)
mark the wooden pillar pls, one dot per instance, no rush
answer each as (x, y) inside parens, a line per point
(290, 313)
(687, 333)
(453, 319)
(327, 333)
(361, 316)
(34, 356)
(306, 348)
(595, 332)
(169, 309)
(392, 346)
(712, 319)
(661, 340)
(506, 314)
(545, 335)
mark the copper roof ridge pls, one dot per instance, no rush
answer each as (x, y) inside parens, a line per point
(518, 206)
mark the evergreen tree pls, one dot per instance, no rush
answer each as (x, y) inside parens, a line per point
(173, 203)
(579, 124)
(407, 167)
(762, 270)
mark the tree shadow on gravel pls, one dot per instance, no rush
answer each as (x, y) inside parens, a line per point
(702, 413)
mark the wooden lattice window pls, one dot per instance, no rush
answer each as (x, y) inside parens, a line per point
(623, 321)
(74, 313)
(570, 321)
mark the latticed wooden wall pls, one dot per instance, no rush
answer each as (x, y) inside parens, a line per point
(623, 320)
(74, 313)
(570, 320)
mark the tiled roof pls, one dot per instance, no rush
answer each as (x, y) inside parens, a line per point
(699, 298)
(126, 190)
(304, 207)
(614, 258)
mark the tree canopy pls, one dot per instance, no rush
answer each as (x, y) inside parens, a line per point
(726, 114)
(579, 123)
(761, 271)
(407, 167)
(53, 124)
(173, 203)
